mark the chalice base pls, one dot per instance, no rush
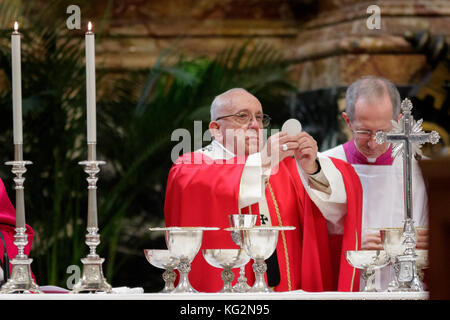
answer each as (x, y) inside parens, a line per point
(370, 288)
(168, 288)
(184, 286)
(92, 279)
(260, 287)
(226, 289)
(241, 287)
(21, 280)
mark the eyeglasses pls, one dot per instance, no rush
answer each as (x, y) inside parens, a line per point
(367, 134)
(244, 117)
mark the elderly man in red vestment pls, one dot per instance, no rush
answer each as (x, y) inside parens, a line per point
(7, 232)
(284, 182)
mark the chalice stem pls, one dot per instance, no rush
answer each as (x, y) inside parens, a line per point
(260, 268)
(227, 278)
(169, 277)
(242, 277)
(183, 285)
(369, 276)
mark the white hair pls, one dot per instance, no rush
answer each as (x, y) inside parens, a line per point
(223, 100)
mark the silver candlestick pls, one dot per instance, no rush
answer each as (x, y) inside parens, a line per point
(407, 137)
(92, 278)
(21, 279)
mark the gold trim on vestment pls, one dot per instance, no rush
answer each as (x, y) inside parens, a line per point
(283, 236)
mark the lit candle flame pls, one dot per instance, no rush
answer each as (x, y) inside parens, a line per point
(89, 26)
(16, 26)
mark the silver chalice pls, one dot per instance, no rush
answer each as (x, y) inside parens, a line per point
(368, 261)
(162, 259)
(184, 243)
(241, 221)
(259, 243)
(392, 240)
(226, 259)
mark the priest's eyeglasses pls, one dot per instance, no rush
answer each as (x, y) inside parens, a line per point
(366, 134)
(244, 117)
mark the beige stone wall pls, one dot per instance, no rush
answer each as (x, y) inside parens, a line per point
(336, 47)
(138, 31)
(328, 40)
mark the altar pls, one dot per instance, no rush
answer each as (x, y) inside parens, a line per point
(240, 297)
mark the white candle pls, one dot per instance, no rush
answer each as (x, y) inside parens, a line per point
(16, 85)
(90, 85)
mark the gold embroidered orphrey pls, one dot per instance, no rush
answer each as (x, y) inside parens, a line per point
(283, 236)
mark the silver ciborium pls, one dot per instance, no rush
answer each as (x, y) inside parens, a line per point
(368, 261)
(226, 259)
(260, 243)
(184, 243)
(395, 243)
(392, 240)
(162, 259)
(241, 221)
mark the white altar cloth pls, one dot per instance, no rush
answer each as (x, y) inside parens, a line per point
(292, 295)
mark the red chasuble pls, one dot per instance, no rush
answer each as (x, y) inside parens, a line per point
(8, 226)
(203, 192)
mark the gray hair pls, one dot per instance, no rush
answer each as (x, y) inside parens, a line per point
(223, 100)
(371, 87)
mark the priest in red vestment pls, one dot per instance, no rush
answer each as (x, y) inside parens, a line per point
(7, 230)
(284, 182)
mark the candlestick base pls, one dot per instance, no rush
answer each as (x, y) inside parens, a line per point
(21, 279)
(92, 279)
(405, 266)
(407, 278)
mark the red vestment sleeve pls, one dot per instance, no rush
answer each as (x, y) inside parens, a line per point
(8, 225)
